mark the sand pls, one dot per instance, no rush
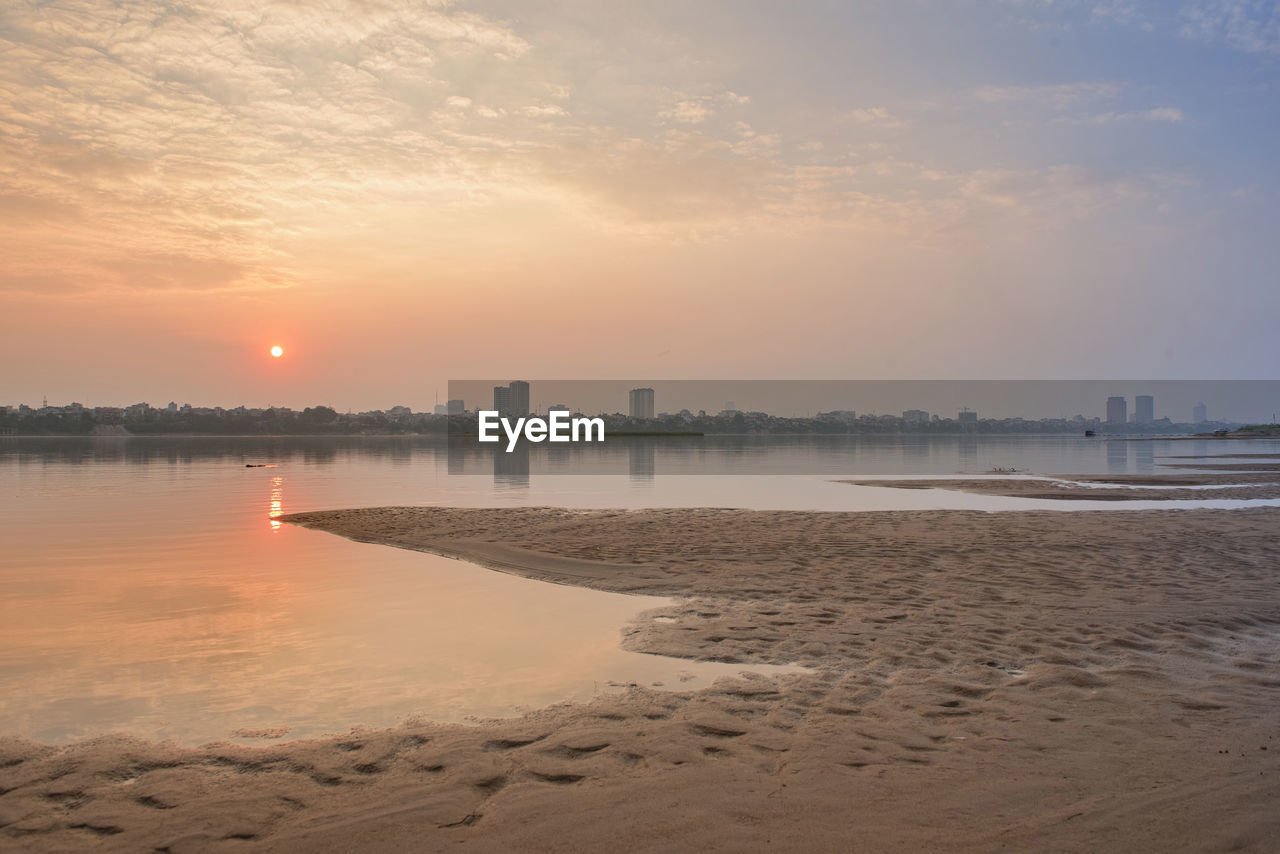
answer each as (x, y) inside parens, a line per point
(1011, 681)
(1124, 487)
(1250, 467)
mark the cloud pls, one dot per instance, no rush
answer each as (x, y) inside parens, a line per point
(695, 110)
(1252, 26)
(686, 183)
(1061, 193)
(540, 111)
(878, 117)
(177, 272)
(1059, 96)
(688, 112)
(1164, 114)
(1071, 102)
(1170, 115)
(210, 138)
(756, 145)
(231, 146)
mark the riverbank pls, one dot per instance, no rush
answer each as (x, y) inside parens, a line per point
(1029, 680)
(1249, 482)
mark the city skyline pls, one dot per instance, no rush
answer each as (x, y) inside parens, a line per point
(144, 420)
(1230, 400)
(515, 398)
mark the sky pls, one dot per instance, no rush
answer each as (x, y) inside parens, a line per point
(404, 193)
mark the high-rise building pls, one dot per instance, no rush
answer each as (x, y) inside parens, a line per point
(915, 416)
(968, 418)
(641, 403)
(502, 399)
(512, 400)
(1117, 410)
(1199, 413)
(456, 406)
(1144, 409)
(519, 398)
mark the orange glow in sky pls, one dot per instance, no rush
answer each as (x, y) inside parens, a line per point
(420, 191)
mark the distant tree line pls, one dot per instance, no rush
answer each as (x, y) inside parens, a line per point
(140, 419)
(843, 424)
(316, 420)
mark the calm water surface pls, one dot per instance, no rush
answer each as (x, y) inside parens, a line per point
(145, 585)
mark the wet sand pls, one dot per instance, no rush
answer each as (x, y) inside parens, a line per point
(1168, 487)
(1249, 467)
(1019, 681)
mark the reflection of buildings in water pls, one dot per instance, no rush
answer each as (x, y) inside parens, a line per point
(1145, 457)
(967, 450)
(916, 449)
(1117, 456)
(401, 452)
(275, 504)
(456, 452)
(511, 469)
(641, 459)
(735, 445)
(317, 455)
(558, 456)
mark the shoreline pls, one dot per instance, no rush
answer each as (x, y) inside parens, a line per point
(1151, 437)
(1262, 482)
(1017, 680)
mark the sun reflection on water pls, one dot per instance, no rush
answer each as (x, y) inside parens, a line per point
(276, 504)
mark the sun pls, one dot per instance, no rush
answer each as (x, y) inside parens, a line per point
(277, 351)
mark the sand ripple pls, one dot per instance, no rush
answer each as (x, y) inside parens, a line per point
(1022, 681)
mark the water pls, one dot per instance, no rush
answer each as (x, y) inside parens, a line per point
(145, 585)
